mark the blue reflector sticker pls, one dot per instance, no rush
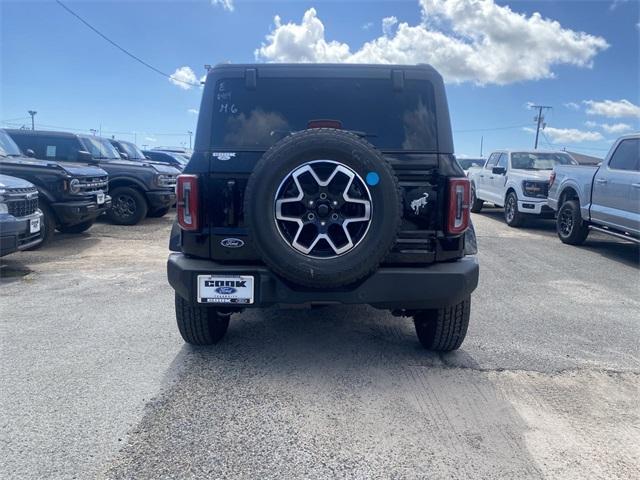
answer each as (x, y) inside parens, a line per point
(372, 178)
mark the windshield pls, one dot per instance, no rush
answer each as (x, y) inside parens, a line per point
(540, 161)
(467, 163)
(100, 148)
(132, 150)
(7, 146)
(276, 107)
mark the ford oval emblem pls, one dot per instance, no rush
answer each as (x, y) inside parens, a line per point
(232, 243)
(226, 290)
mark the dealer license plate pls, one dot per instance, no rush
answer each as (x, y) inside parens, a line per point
(34, 225)
(100, 198)
(225, 289)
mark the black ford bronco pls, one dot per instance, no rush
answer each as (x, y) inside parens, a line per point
(324, 184)
(138, 189)
(70, 195)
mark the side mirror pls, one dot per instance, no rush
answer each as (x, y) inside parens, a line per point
(30, 153)
(499, 170)
(124, 155)
(85, 157)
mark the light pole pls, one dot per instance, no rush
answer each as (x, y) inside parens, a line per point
(190, 133)
(33, 114)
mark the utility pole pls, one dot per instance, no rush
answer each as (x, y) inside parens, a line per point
(539, 118)
(481, 142)
(190, 133)
(33, 114)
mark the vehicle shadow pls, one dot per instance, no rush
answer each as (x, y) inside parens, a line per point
(545, 226)
(626, 253)
(301, 394)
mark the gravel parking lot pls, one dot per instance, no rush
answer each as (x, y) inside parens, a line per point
(96, 382)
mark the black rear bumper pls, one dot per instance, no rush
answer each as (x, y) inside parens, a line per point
(390, 288)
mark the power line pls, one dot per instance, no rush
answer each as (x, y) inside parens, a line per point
(491, 129)
(124, 50)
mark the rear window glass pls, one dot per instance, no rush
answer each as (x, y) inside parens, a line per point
(402, 120)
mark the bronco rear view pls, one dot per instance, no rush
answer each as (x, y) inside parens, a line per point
(324, 184)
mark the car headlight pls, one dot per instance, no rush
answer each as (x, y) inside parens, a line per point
(74, 186)
(535, 189)
(165, 180)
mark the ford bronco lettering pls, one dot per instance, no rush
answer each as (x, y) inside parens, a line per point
(324, 184)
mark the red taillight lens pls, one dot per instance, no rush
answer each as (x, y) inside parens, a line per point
(458, 210)
(552, 178)
(188, 204)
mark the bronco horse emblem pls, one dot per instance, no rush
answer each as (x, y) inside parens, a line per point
(418, 203)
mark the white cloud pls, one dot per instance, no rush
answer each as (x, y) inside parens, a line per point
(151, 139)
(302, 42)
(367, 25)
(184, 77)
(572, 135)
(572, 105)
(388, 26)
(466, 40)
(225, 4)
(194, 111)
(612, 108)
(590, 124)
(616, 128)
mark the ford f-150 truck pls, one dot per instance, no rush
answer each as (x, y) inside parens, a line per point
(516, 180)
(605, 198)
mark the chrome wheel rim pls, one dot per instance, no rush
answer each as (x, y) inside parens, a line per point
(323, 209)
(511, 209)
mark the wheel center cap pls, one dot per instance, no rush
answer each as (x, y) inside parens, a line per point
(323, 210)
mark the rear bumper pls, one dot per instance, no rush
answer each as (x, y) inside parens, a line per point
(433, 286)
(74, 212)
(160, 198)
(15, 233)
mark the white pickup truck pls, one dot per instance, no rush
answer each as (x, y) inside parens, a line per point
(516, 180)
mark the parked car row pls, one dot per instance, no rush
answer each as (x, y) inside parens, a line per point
(550, 184)
(76, 178)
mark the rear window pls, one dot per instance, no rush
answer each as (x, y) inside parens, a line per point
(257, 118)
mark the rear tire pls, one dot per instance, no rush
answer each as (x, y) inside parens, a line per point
(161, 212)
(512, 215)
(443, 329)
(476, 203)
(128, 206)
(77, 228)
(200, 325)
(569, 224)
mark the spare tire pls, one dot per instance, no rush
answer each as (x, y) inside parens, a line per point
(323, 208)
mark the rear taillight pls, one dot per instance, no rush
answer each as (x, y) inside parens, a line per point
(458, 209)
(188, 204)
(552, 178)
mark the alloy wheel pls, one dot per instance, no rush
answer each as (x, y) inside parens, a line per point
(323, 209)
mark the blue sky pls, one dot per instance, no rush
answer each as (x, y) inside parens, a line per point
(52, 63)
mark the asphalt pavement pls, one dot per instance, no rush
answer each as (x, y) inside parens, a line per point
(97, 383)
